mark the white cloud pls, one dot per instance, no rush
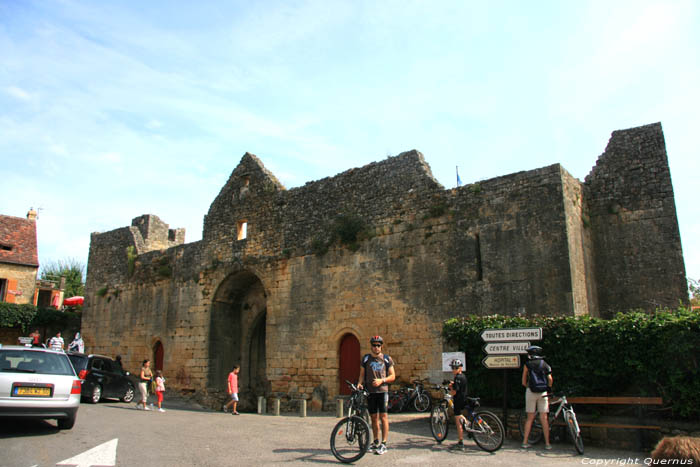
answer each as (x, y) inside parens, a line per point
(18, 93)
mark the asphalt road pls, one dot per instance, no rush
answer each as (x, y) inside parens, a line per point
(187, 435)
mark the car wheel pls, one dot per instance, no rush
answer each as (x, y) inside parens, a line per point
(129, 394)
(66, 423)
(96, 394)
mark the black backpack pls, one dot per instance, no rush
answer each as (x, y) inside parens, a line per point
(537, 380)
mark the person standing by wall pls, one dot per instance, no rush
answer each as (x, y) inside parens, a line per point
(160, 389)
(537, 379)
(144, 378)
(77, 345)
(458, 388)
(233, 390)
(56, 342)
(376, 370)
(36, 338)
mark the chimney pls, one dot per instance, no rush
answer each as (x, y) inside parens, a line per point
(31, 215)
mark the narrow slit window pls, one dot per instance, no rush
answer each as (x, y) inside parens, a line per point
(479, 270)
(242, 230)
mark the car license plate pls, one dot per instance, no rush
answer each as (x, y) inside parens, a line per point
(32, 391)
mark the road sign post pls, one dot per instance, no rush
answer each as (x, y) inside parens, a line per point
(503, 348)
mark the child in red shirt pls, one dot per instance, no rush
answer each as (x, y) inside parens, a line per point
(233, 390)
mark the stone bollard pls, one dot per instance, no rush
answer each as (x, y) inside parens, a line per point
(339, 408)
(276, 406)
(302, 408)
(262, 405)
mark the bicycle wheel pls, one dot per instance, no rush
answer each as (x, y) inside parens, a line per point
(535, 430)
(350, 439)
(576, 438)
(488, 431)
(422, 402)
(439, 423)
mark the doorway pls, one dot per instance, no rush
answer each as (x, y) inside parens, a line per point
(237, 335)
(349, 364)
(158, 354)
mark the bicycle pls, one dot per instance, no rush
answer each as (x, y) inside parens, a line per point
(350, 437)
(357, 403)
(568, 414)
(483, 426)
(405, 397)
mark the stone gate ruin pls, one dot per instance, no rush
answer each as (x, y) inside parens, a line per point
(290, 284)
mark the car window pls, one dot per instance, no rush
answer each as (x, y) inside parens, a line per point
(79, 362)
(97, 364)
(107, 365)
(27, 361)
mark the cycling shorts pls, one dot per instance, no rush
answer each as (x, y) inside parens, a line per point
(377, 402)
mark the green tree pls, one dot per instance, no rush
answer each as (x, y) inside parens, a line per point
(71, 269)
(694, 291)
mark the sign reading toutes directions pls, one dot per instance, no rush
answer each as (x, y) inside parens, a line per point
(504, 346)
(511, 334)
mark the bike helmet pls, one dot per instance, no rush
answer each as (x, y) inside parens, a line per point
(377, 339)
(456, 363)
(534, 351)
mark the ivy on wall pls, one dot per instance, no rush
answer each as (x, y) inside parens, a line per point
(636, 353)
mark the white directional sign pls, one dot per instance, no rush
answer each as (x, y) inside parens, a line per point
(103, 455)
(499, 348)
(501, 361)
(511, 334)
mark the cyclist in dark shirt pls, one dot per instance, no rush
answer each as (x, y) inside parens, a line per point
(376, 370)
(458, 389)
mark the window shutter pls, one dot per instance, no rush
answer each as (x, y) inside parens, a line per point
(11, 289)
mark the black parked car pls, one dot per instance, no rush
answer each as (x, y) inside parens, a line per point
(102, 377)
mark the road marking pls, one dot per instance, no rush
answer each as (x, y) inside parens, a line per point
(103, 455)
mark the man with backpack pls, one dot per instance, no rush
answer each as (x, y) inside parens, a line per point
(537, 378)
(376, 370)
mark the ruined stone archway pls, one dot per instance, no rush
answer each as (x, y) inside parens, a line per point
(237, 334)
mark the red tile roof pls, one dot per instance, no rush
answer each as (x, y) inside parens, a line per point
(18, 241)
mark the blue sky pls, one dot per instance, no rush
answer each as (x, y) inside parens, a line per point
(110, 110)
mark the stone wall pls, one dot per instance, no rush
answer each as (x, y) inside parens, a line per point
(634, 225)
(380, 249)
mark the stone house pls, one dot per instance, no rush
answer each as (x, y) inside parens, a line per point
(19, 260)
(290, 284)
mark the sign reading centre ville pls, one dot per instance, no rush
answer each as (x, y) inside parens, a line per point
(510, 335)
(500, 348)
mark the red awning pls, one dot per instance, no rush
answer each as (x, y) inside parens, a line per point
(73, 301)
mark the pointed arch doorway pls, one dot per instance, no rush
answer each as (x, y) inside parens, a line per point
(158, 356)
(349, 362)
(237, 336)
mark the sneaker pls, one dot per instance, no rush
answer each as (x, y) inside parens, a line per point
(381, 449)
(225, 409)
(525, 446)
(146, 408)
(373, 447)
(161, 410)
(548, 447)
(236, 413)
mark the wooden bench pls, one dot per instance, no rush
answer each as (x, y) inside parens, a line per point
(639, 402)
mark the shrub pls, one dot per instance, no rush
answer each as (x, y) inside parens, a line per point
(635, 353)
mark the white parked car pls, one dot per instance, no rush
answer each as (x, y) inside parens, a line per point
(38, 383)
